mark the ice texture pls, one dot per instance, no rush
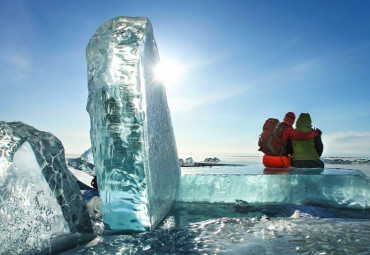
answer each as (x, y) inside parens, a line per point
(187, 162)
(131, 133)
(94, 209)
(39, 198)
(198, 228)
(88, 156)
(85, 162)
(30, 214)
(334, 188)
(215, 159)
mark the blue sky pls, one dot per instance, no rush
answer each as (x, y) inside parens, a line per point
(242, 62)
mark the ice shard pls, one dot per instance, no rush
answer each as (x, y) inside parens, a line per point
(85, 162)
(131, 132)
(338, 188)
(39, 198)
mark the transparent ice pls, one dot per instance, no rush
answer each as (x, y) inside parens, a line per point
(131, 133)
(88, 156)
(198, 228)
(85, 162)
(329, 187)
(39, 197)
(239, 227)
(29, 213)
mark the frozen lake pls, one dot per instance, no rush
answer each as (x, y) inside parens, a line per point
(241, 228)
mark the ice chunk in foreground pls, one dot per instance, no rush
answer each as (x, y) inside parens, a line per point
(331, 187)
(39, 198)
(131, 133)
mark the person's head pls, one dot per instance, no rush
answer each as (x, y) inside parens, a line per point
(304, 121)
(289, 118)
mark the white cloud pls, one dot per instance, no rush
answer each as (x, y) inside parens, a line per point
(261, 84)
(283, 49)
(362, 113)
(356, 49)
(15, 66)
(20, 62)
(307, 66)
(348, 143)
(184, 104)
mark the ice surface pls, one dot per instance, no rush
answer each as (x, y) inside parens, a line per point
(131, 133)
(83, 179)
(346, 160)
(39, 197)
(226, 229)
(241, 228)
(332, 187)
(29, 213)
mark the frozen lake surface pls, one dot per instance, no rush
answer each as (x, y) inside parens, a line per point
(241, 228)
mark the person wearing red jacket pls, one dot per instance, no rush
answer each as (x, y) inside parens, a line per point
(288, 135)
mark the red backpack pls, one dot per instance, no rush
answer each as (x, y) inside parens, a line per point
(270, 140)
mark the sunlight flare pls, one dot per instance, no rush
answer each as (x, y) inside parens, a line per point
(168, 71)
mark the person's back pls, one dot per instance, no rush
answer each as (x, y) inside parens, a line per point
(306, 153)
(281, 135)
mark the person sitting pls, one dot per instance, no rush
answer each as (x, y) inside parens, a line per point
(284, 160)
(290, 133)
(306, 153)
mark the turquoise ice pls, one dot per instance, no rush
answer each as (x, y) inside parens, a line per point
(131, 132)
(338, 188)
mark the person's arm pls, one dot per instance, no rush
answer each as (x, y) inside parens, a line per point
(319, 146)
(298, 135)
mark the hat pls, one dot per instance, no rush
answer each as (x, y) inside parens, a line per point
(289, 118)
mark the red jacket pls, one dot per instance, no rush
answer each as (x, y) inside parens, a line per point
(290, 133)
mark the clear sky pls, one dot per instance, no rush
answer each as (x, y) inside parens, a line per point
(238, 63)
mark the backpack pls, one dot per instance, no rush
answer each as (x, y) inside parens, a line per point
(269, 141)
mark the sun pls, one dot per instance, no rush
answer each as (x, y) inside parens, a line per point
(168, 71)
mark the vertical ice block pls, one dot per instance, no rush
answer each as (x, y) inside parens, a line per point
(131, 133)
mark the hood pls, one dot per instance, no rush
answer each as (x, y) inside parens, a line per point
(304, 122)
